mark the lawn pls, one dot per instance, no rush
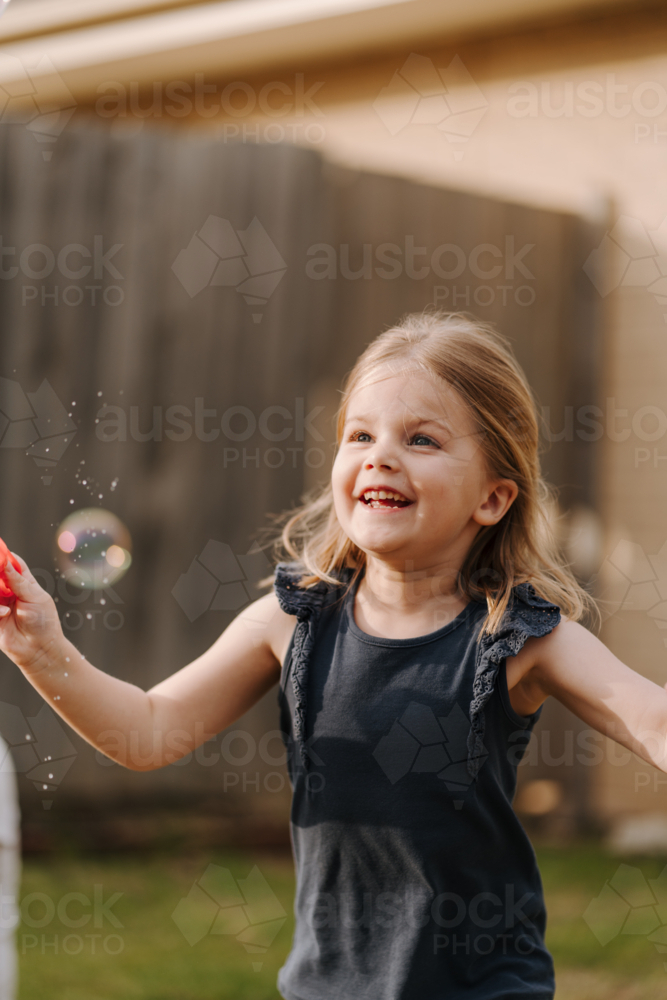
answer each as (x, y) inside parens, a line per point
(166, 936)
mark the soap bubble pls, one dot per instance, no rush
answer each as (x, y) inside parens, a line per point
(3, 6)
(93, 548)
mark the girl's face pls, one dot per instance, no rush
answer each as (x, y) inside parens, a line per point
(410, 484)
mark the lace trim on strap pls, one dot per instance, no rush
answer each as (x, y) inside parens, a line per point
(528, 616)
(306, 605)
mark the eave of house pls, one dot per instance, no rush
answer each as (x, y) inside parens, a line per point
(79, 44)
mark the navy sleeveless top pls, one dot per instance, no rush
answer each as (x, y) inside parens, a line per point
(415, 878)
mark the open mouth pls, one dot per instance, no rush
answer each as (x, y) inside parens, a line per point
(388, 499)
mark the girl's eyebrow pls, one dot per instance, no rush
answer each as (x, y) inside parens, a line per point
(440, 422)
(413, 418)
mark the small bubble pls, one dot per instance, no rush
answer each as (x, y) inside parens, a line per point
(85, 482)
(89, 616)
(99, 496)
(71, 501)
(45, 787)
(51, 776)
(67, 659)
(28, 737)
(73, 403)
(99, 393)
(103, 601)
(66, 675)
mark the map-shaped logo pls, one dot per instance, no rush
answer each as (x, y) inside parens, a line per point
(221, 256)
(631, 256)
(420, 743)
(40, 747)
(36, 422)
(629, 903)
(44, 110)
(218, 903)
(218, 580)
(420, 94)
(630, 580)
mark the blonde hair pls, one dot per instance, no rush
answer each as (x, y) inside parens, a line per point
(478, 363)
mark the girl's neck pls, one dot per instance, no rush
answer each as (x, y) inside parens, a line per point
(405, 604)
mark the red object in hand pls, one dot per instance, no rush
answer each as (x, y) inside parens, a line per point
(7, 595)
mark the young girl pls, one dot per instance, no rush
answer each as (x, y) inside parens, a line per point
(414, 639)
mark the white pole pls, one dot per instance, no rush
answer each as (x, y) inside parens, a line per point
(10, 870)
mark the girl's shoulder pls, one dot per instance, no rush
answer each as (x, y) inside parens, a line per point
(528, 615)
(304, 601)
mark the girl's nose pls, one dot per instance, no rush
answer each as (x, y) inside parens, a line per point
(380, 459)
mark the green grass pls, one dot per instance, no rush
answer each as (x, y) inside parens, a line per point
(155, 962)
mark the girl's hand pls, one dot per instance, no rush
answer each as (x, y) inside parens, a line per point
(29, 626)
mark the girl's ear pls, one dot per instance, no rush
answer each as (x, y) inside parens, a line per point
(503, 494)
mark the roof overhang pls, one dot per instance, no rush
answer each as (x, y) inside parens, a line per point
(80, 44)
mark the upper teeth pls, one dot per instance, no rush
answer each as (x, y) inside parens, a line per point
(382, 495)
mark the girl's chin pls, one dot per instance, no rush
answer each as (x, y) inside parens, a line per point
(378, 542)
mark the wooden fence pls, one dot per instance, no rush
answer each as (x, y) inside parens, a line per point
(190, 305)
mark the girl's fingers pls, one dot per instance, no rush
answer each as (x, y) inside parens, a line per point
(20, 584)
(24, 566)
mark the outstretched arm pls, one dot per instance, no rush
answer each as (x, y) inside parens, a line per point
(576, 668)
(144, 730)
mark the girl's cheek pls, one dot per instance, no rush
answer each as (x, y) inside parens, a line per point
(339, 488)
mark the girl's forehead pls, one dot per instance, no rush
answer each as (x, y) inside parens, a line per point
(419, 393)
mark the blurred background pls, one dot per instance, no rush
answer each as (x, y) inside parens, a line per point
(207, 210)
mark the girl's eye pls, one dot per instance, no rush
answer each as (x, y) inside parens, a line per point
(360, 436)
(422, 439)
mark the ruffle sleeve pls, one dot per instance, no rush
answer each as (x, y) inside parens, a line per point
(306, 605)
(528, 616)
